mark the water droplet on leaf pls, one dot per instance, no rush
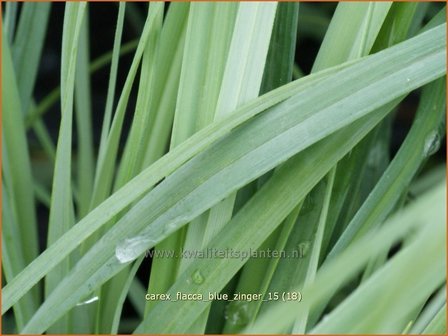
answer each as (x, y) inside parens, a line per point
(130, 248)
(237, 313)
(197, 277)
(88, 301)
(432, 143)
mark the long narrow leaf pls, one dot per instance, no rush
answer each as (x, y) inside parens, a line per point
(368, 90)
(61, 209)
(142, 183)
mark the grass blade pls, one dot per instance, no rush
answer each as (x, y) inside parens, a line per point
(13, 260)
(105, 171)
(83, 114)
(112, 79)
(97, 64)
(429, 312)
(278, 71)
(115, 291)
(61, 210)
(389, 317)
(134, 150)
(356, 42)
(362, 89)
(300, 324)
(438, 324)
(123, 293)
(280, 59)
(358, 254)
(144, 182)
(207, 35)
(396, 178)
(241, 82)
(307, 187)
(412, 54)
(172, 41)
(250, 227)
(27, 47)
(10, 19)
(17, 178)
(14, 137)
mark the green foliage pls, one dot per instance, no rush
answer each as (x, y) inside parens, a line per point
(225, 152)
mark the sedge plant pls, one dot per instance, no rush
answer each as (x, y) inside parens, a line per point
(219, 140)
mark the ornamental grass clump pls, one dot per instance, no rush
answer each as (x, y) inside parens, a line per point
(230, 179)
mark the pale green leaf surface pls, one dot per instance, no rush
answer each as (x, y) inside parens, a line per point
(172, 41)
(357, 41)
(438, 323)
(429, 312)
(294, 131)
(14, 138)
(208, 34)
(105, 171)
(275, 152)
(112, 78)
(83, 109)
(256, 274)
(241, 81)
(146, 180)
(423, 134)
(345, 39)
(27, 47)
(61, 216)
(329, 277)
(115, 291)
(422, 265)
(251, 226)
(10, 18)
